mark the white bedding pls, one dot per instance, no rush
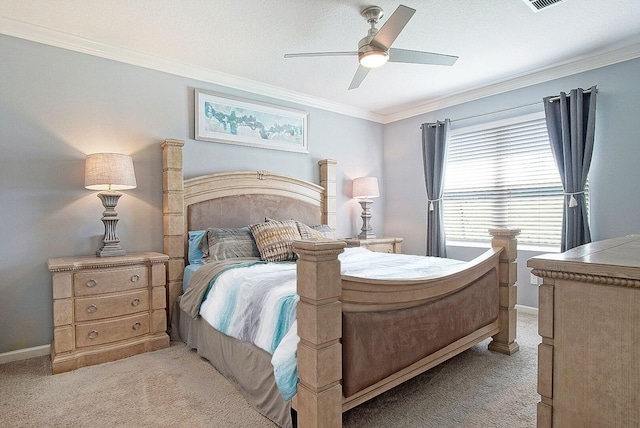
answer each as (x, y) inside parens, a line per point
(269, 321)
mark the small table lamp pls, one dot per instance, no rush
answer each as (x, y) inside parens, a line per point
(365, 188)
(109, 172)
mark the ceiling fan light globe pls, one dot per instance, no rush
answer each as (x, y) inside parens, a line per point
(373, 59)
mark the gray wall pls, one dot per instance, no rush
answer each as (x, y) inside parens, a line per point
(614, 176)
(56, 106)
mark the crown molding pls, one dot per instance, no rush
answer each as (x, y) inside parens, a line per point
(586, 63)
(71, 42)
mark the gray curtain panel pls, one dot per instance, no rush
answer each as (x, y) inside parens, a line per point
(571, 122)
(435, 139)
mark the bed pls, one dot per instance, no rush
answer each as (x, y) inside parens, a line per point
(358, 337)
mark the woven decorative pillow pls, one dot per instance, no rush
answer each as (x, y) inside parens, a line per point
(307, 232)
(274, 239)
(226, 243)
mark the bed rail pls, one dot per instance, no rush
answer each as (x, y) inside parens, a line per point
(367, 295)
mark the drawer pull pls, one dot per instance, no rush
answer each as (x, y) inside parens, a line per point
(135, 278)
(92, 308)
(93, 334)
(135, 302)
(137, 325)
(92, 283)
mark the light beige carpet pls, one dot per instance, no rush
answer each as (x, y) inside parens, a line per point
(174, 387)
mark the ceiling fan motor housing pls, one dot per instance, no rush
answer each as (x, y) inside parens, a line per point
(366, 45)
(370, 54)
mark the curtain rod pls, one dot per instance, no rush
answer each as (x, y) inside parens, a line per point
(496, 111)
(586, 91)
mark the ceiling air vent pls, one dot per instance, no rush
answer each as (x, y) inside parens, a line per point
(538, 5)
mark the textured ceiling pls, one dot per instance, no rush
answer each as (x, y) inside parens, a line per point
(501, 43)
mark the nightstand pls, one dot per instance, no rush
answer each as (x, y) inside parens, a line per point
(380, 245)
(107, 308)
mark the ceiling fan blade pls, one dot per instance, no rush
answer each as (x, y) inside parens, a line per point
(308, 54)
(393, 26)
(418, 57)
(361, 73)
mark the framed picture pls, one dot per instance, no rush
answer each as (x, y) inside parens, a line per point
(226, 119)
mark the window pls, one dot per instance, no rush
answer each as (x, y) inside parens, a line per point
(503, 174)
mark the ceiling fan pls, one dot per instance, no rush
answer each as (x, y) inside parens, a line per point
(375, 49)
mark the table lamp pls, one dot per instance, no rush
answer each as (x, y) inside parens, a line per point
(364, 189)
(109, 172)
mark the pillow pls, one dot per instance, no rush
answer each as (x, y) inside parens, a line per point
(274, 239)
(307, 232)
(204, 246)
(226, 243)
(325, 230)
(319, 231)
(195, 253)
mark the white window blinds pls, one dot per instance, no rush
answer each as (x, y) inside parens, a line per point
(503, 174)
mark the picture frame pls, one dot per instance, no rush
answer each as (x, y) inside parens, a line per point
(226, 119)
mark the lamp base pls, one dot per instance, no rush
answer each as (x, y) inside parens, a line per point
(110, 241)
(366, 231)
(365, 235)
(110, 251)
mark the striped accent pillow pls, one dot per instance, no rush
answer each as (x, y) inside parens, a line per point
(226, 243)
(274, 239)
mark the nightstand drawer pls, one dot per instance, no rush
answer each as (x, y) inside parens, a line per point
(98, 333)
(95, 308)
(97, 281)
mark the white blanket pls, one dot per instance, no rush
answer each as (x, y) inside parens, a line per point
(258, 303)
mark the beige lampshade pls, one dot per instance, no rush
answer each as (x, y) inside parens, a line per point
(365, 188)
(109, 171)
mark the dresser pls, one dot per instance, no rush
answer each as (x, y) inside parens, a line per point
(107, 308)
(589, 321)
(380, 245)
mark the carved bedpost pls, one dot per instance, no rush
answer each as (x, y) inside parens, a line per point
(319, 315)
(505, 341)
(173, 216)
(328, 182)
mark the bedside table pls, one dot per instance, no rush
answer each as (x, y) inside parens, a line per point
(107, 308)
(379, 245)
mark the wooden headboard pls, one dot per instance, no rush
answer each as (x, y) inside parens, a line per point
(233, 199)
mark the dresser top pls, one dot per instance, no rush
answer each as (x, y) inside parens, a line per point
(616, 258)
(89, 262)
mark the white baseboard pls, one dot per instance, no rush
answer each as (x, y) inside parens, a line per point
(527, 309)
(23, 354)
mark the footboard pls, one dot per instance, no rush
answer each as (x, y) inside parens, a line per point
(328, 300)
